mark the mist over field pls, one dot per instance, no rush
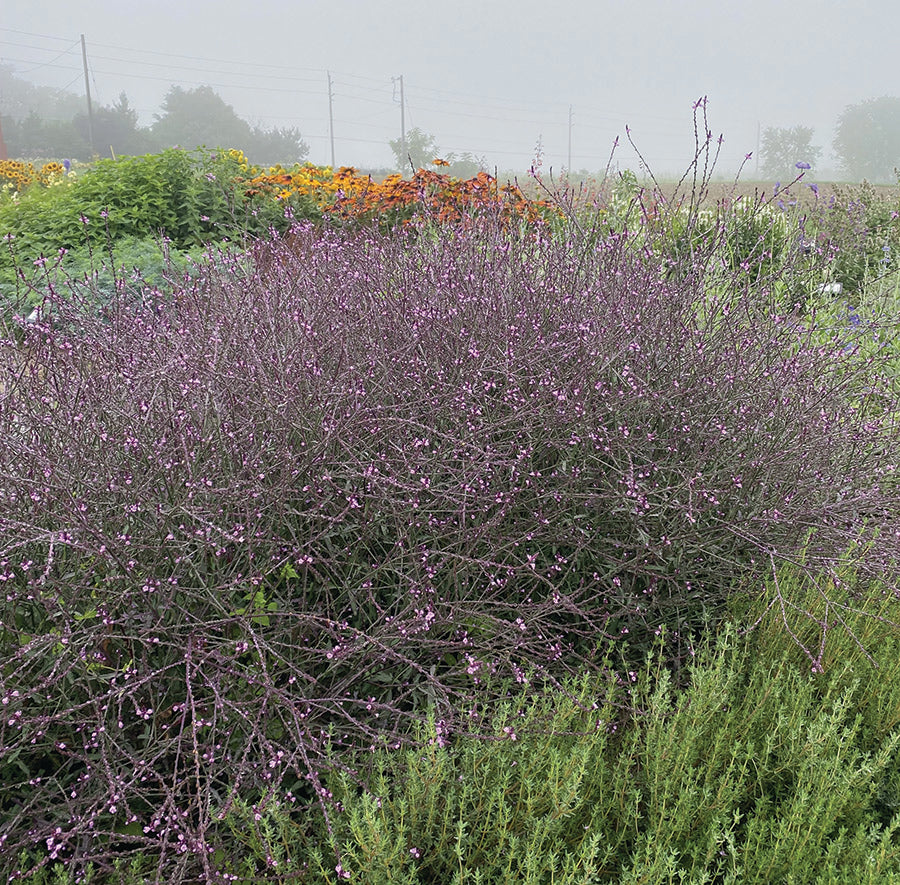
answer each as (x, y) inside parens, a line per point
(503, 83)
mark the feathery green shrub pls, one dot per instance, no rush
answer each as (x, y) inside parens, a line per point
(761, 771)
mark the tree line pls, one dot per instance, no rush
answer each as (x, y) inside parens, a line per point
(866, 144)
(42, 122)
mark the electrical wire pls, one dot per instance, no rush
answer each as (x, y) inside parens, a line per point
(348, 90)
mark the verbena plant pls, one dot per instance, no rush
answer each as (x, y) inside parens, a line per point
(307, 501)
(353, 480)
(759, 771)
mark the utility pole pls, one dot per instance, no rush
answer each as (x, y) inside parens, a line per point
(569, 167)
(403, 150)
(330, 118)
(402, 123)
(87, 91)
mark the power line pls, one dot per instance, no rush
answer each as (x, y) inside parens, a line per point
(38, 48)
(479, 98)
(33, 34)
(131, 50)
(347, 90)
(537, 121)
(443, 97)
(30, 61)
(243, 86)
(381, 89)
(154, 64)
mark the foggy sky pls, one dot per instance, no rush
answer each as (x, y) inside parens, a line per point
(486, 76)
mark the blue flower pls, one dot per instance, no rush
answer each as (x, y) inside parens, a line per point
(802, 165)
(814, 188)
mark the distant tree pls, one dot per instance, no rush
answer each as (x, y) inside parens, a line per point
(465, 165)
(116, 128)
(19, 98)
(781, 149)
(270, 146)
(420, 149)
(198, 117)
(37, 120)
(867, 139)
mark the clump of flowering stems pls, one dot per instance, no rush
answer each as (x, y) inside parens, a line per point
(312, 496)
(18, 174)
(346, 195)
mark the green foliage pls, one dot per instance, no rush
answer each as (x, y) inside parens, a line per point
(190, 198)
(860, 231)
(754, 237)
(157, 193)
(137, 263)
(744, 238)
(623, 208)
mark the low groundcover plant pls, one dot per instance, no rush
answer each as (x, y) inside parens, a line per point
(310, 499)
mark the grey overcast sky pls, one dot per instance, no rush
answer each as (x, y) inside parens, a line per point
(491, 77)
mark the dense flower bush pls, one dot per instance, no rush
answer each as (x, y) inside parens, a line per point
(348, 195)
(349, 480)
